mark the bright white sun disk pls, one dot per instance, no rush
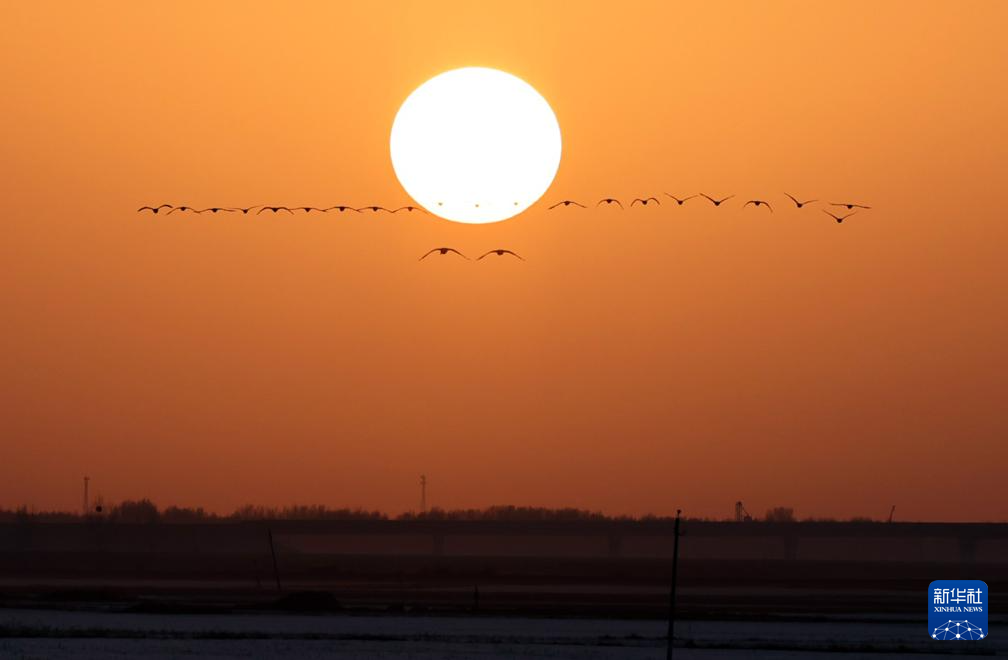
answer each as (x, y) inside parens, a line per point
(475, 145)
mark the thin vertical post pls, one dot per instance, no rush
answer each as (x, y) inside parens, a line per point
(670, 650)
(276, 570)
(423, 493)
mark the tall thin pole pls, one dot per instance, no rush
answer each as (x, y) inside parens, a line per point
(276, 570)
(423, 493)
(670, 650)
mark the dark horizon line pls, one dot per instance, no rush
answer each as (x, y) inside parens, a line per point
(146, 511)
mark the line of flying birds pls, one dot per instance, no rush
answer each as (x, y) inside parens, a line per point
(500, 252)
(168, 209)
(607, 201)
(275, 209)
(756, 203)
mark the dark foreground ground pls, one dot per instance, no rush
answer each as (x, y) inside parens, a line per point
(47, 633)
(453, 590)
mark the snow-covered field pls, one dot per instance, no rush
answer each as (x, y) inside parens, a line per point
(35, 634)
(118, 649)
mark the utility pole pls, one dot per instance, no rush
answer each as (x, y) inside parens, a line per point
(423, 493)
(86, 480)
(276, 569)
(670, 650)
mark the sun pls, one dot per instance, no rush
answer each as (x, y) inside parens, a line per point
(475, 145)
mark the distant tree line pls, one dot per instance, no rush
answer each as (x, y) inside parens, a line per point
(504, 512)
(146, 511)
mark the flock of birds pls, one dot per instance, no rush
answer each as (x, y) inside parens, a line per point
(275, 209)
(500, 252)
(168, 209)
(756, 203)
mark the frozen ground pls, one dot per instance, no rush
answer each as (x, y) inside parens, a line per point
(35, 634)
(118, 649)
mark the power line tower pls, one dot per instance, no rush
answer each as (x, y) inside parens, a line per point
(741, 515)
(423, 493)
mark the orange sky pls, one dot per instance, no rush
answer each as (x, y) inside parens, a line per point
(636, 362)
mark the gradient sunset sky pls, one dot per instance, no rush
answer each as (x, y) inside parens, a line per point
(636, 362)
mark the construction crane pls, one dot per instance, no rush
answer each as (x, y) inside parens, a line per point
(891, 512)
(741, 515)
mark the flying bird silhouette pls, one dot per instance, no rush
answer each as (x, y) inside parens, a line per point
(181, 208)
(682, 201)
(609, 201)
(246, 209)
(444, 250)
(501, 253)
(717, 202)
(341, 209)
(566, 202)
(758, 203)
(410, 209)
(275, 209)
(154, 209)
(308, 209)
(645, 201)
(850, 205)
(214, 209)
(799, 203)
(839, 218)
(373, 209)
